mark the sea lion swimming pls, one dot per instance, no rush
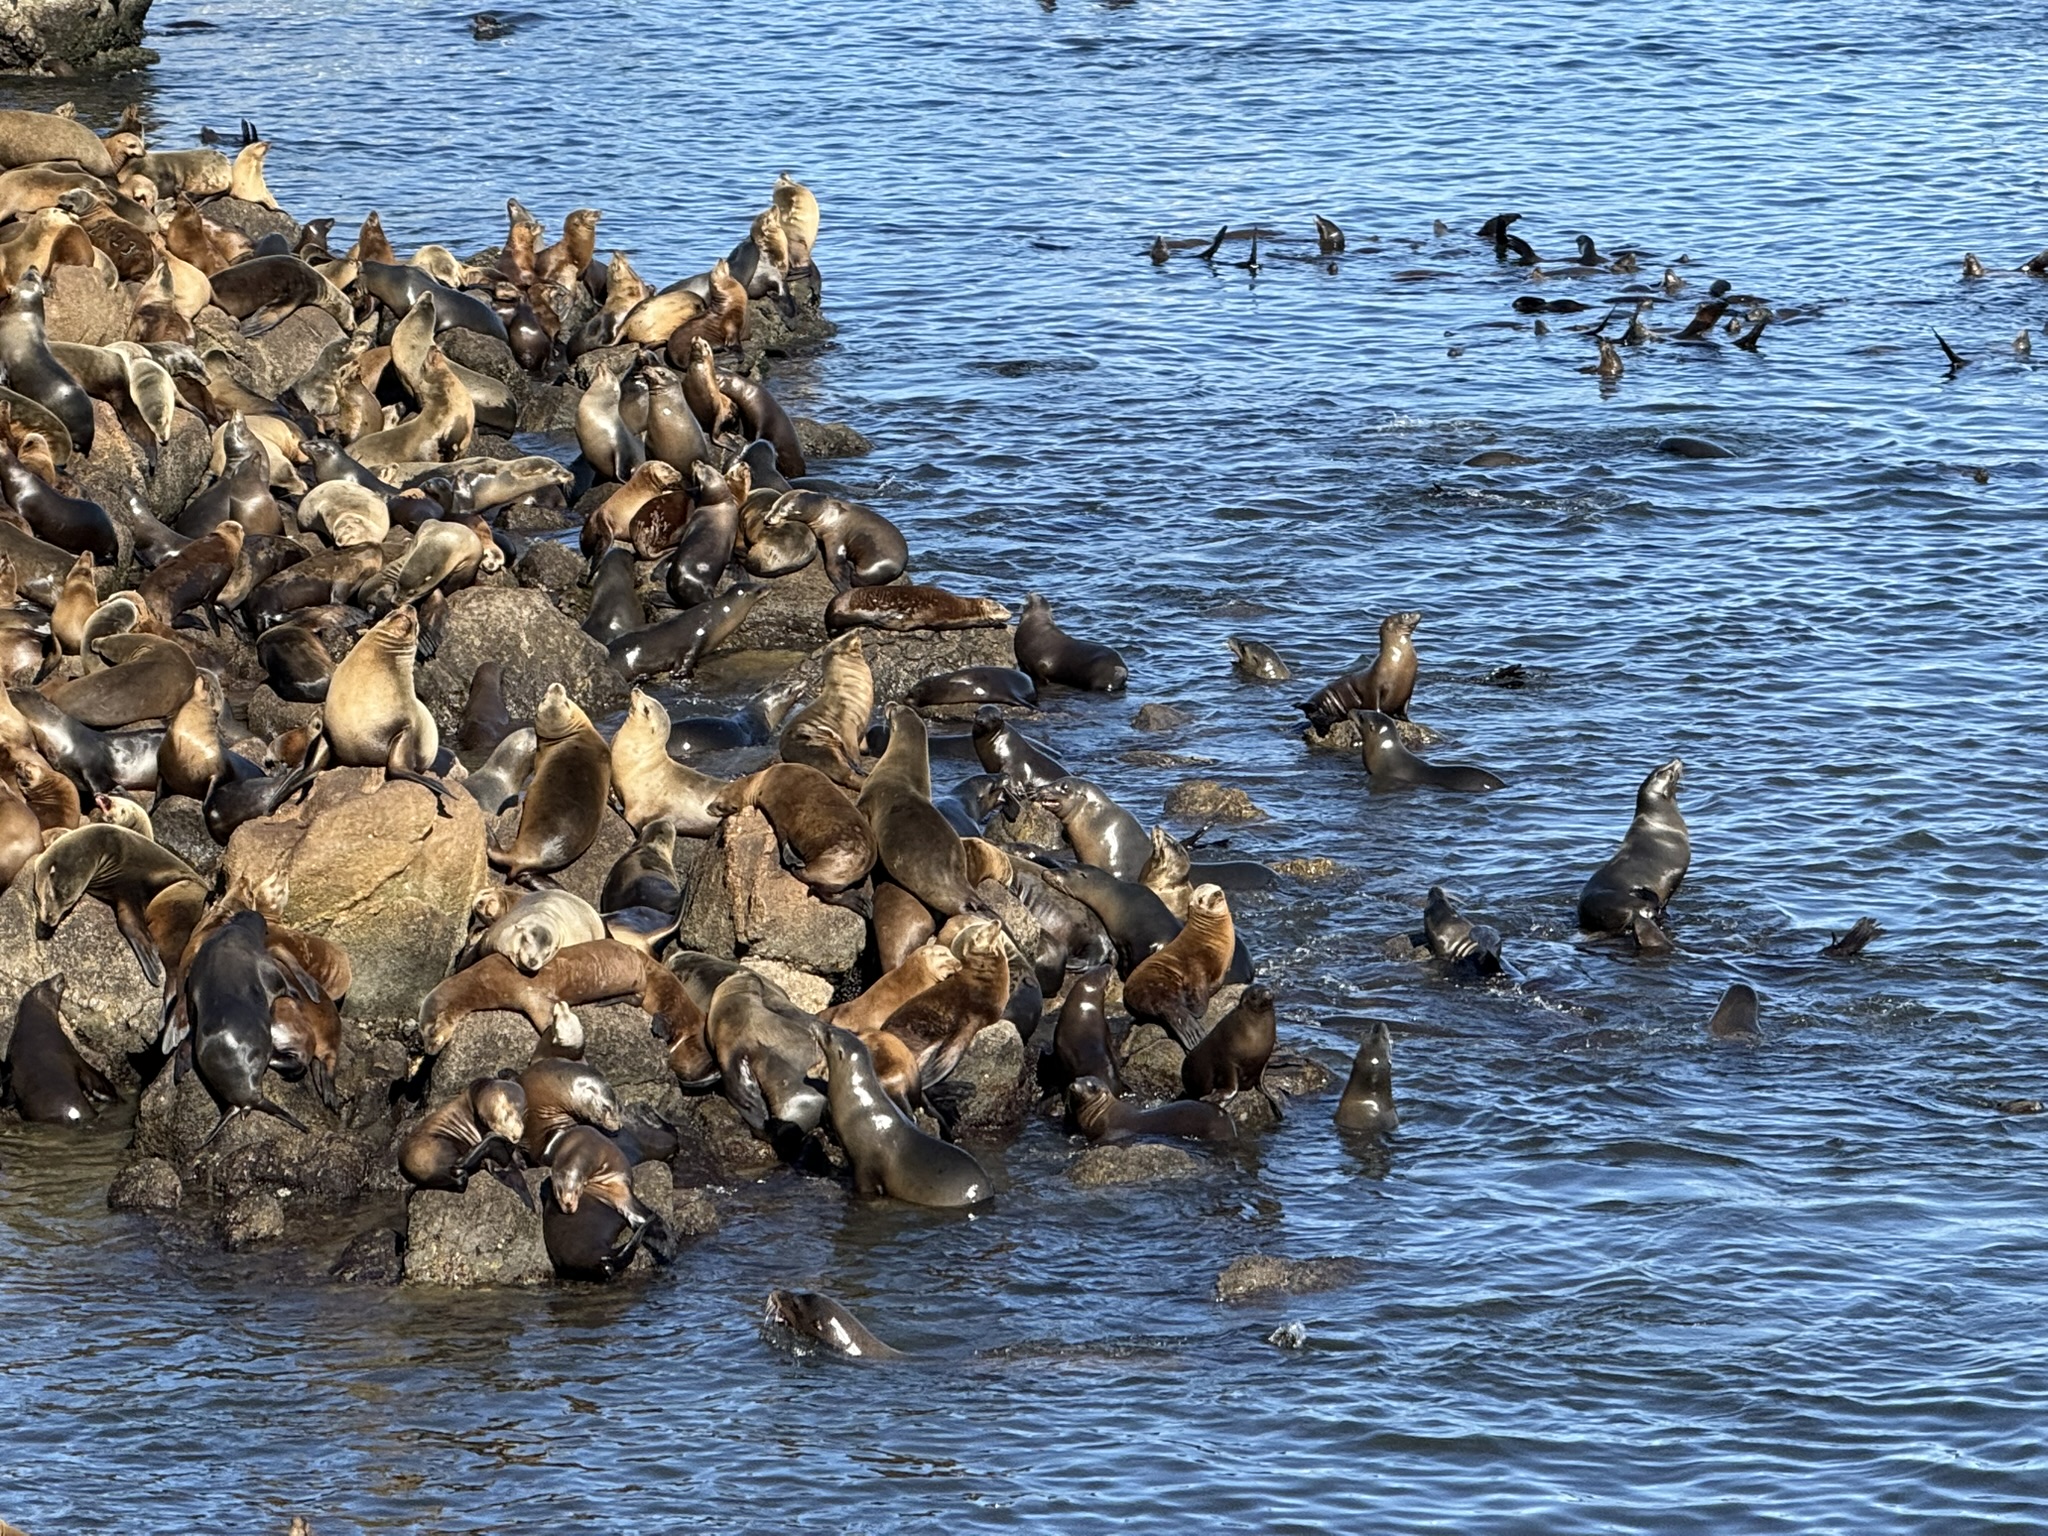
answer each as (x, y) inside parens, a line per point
(1629, 892)
(1734, 1022)
(1367, 1106)
(1386, 685)
(820, 1319)
(890, 1155)
(1098, 1114)
(1473, 948)
(1393, 766)
(1255, 660)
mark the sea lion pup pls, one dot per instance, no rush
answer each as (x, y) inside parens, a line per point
(49, 794)
(940, 1022)
(824, 841)
(909, 607)
(1001, 748)
(1172, 986)
(1081, 1043)
(652, 784)
(1629, 892)
(1257, 661)
(538, 926)
(1051, 655)
(1097, 1113)
(228, 990)
(130, 874)
(1393, 766)
(479, 1127)
(505, 772)
(823, 1321)
(1735, 1020)
(372, 716)
(565, 804)
(1232, 1057)
(1368, 1102)
(117, 810)
(1103, 833)
(766, 1049)
(1465, 946)
(1386, 685)
(923, 968)
(43, 1075)
(915, 845)
(890, 1155)
(845, 700)
(561, 1094)
(860, 548)
(645, 874)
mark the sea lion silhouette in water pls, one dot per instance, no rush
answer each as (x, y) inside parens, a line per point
(809, 1315)
(1629, 892)
(1735, 1020)
(1465, 946)
(1368, 1102)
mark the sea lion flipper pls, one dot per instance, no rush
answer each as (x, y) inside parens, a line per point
(281, 1113)
(132, 929)
(744, 1089)
(323, 1084)
(510, 1178)
(661, 1240)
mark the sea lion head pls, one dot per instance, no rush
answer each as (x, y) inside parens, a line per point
(398, 630)
(533, 944)
(1663, 782)
(1088, 1104)
(558, 715)
(592, 1101)
(29, 288)
(492, 903)
(566, 1027)
(1208, 900)
(1398, 626)
(500, 1105)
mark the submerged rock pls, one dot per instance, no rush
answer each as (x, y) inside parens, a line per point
(1261, 1274)
(1098, 1167)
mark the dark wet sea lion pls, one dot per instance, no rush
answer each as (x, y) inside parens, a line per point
(1629, 892)
(1386, 685)
(824, 1321)
(1232, 1057)
(704, 551)
(905, 607)
(1735, 1020)
(1081, 1045)
(1098, 1114)
(764, 420)
(1002, 749)
(824, 840)
(678, 644)
(1457, 941)
(753, 724)
(890, 1155)
(1103, 833)
(297, 662)
(399, 288)
(479, 1127)
(586, 1164)
(972, 804)
(228, 990)
(121, 759)
(1173, 985)
(196, 574)
(1260, 662)
(1368, 1102)
(1051, 655)
(193, 758)
(565, 804)
(1139, 924)
(615, 606)
(673, 433)
(915, 845)
(263, 290)
(29, 367)
(70, 523)
(1393, 766)
(242, 491)
(645, 874)
(1848, 945)
(485, 721)
(860, 548)
(976, 685)
(45, 1078)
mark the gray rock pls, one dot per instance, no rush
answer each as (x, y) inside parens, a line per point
(619, 1042)
(371, 1258)
(278, 358)
(520, 627)
(988, 1091)
(148, 1184)
(1260, 1274)
(1151, 1064)
(774, 915)
(252, 219)
(1161, 717)
(829, 439)
(695, 1214)
(1296, 1076)
(270, 716)
(1097, 1167)
(717, 1147)
(1344, 737)
(256, 1216)
(705, 921)
(804, 989)
(481, 1237)
(484, 1045)
(68, 36)
(79, 307)
(374, 867)
(788, 616)
(550, 565)
(483, 354)
(548, 408)
(1206, 800)
(180, 823)
(180, 464)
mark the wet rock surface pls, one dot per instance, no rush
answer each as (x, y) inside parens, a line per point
(1258, 1275)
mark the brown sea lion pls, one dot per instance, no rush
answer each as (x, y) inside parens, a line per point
(129, 873)
(146, 678)
(652, 784)
(1629, 892)
(860, 548)
(905, 607)
(1173, 985)
(825, 841)
(1232, 1057)
(763, 419)
(561, 1094)
(1386, 685)
(372, 717)
(925, 967)
(844, 703)
(565, 804)
(915, 845)
(441, 431)
(481, 1126)
(900, 924)
(939, 1023)
(485, 721)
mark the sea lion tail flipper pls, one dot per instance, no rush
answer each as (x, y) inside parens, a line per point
(1650, 939)
(661, 1240)
(281, 1113)
(1185, 1028)
(511, 1179)
(219, 1125)
(323, 1085)
(744, 1089)
(1853, 942)
(392, 770)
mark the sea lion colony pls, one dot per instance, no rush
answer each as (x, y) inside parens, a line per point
(270, 488)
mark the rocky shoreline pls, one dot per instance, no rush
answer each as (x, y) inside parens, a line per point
(72, 37)
(395, 877)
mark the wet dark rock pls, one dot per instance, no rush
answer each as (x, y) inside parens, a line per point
(71, 36)
(788, 616)
(180, 824)
(1344, 737)
(482, 1237)
(1207, 800)
(253, 1217)
(705, 921)
(552, 566)
(1151, 1064)
(109, 1005)
(1296, 1076)
(1306, 869)
(829, 439)
(1099, 1167)
(371, 1258)
(1259, 1274)
(528, 516)
(537, 644)
(148, 1184)
(717, 1147)
(252, 219)
(270, 716)
(280, 357)
(1161, 717)
(989, 1092)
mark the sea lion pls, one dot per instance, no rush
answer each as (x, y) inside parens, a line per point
(824, 840)
(1103, 833)
(1232, 1057)
(485, 721)
(1735, 1020)
(1848, 945)
(481, 1126)
(907, 607)
(264, 290)
(674, 435)
(823, 1321)
(798, 209)
(349, 513)
(124, 760)
(29, 367)
(70, 523)
(976, 685)
(1368, 1102)
(538, 926)
(228, 991)
(75, 604)
(645, 874)
(753, 724)
(565, 804)
(704, 550)
(241, 492)
(766, 1049)
(677, 644)
(196, 575)
(1468, 947)
(890, 1155)
(939, 1023)
(505, 772)
(587, 1164)
(1393, 766)
(45, 1078)
(446, 555)
(1257, 661)
(899, 924)
(914, 843)
(1081, 1044)
(443, 428)
(611, 520)
(147, 678)
(1386, 685)
(1173, 985)
(764, 420)
(561, 1094)
(1051, 655)
(652, 784)
(1629, 892)
(1138, 923)
(843, 705)
(1002, 749)
(28, 137)
(923, 968)
(192, 758)
(372, 717)
(613, 449)
(615, 606)
(1098, 1114)
(721, 321)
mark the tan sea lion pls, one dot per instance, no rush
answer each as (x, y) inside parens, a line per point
(565, 804)
(1173, 985)
(652, 784)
